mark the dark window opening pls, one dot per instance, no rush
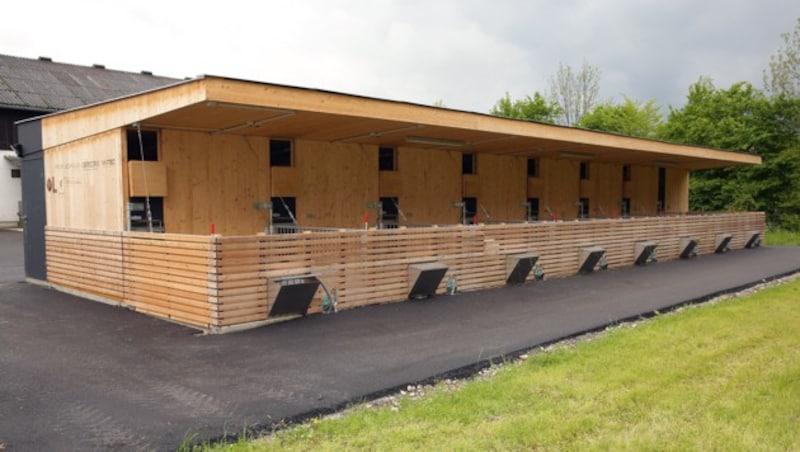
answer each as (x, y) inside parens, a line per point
(137, 213)
(625, 207)
(583, 208)
(387, 159)
(280, 152)
(390, 214)
(148, 150)
(468, 163)
(533, 167)
(284, 210)
(470, 210)
(533, 209)
(584, 171)
(8, 131)
(626, 173)
(16, 173)
(662, 189)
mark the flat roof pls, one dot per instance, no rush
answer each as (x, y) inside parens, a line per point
(222, 105)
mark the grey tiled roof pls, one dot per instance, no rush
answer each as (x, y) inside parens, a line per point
(44, 85)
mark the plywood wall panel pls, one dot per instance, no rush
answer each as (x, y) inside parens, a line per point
(677, 190)
(214, 179)
(147, 178)
(563, 187)
(644, 190)
(607, 193)
(431, 183)
(391, 183)
(84, 183)
(503, 186)
(217, 179)
(333, 182)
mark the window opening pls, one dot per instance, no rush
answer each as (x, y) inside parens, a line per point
(468, 163)
(387, 159)
(280, 152)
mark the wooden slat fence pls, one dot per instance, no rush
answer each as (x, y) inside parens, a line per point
(218, 282)
(165, 275)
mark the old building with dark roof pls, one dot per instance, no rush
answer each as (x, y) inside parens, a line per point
(33, 87)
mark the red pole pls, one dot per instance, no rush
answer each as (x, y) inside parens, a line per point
(213, 228)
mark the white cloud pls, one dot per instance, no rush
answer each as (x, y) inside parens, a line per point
(466, 53)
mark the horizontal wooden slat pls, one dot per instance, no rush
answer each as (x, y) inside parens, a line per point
(214, 281)
(165, 275)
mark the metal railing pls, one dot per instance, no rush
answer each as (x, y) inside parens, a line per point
(296, 229)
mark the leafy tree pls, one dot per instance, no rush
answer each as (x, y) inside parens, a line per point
(631, 117)
(742, 118)
(783, 77)
(535, 108)
(575, 91)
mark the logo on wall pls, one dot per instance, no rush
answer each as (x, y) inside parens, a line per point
(51, 185)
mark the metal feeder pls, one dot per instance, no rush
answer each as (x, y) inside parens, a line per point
(644, 252)
(424, 278)
(590, 257)
(295, 294)
(753, 239)
(519, 266)
(688, 247)
(722, 242)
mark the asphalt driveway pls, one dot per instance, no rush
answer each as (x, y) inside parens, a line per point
(78, 375)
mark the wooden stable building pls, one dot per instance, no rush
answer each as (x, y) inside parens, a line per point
(201, 201)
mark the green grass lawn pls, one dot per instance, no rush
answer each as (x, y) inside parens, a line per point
(782, 237)
(723, 376)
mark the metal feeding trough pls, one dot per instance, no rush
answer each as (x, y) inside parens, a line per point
(590, 257)
(645, 252)
(688, 247)
(753, 239)
(519, 266)
(722, 242)
(294, 295)
(424, 278)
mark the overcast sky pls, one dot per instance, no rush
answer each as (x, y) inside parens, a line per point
(466, 53)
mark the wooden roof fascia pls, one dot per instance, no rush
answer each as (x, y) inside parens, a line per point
(302, 99)
(71, 125)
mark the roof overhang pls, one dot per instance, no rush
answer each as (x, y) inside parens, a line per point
(217, 105)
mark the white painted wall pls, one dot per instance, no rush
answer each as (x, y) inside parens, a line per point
(10, 190)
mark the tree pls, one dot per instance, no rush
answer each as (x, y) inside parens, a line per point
(783, 77)
(535, 108)
(742, 118)
(574, 91)
(631, 117)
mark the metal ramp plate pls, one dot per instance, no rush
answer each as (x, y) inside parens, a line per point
(590, 257)
(753, 239)
(519, 266)
(425, 278)
(688, 247)
(643, 251)
(294, 295)
(721, 243)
